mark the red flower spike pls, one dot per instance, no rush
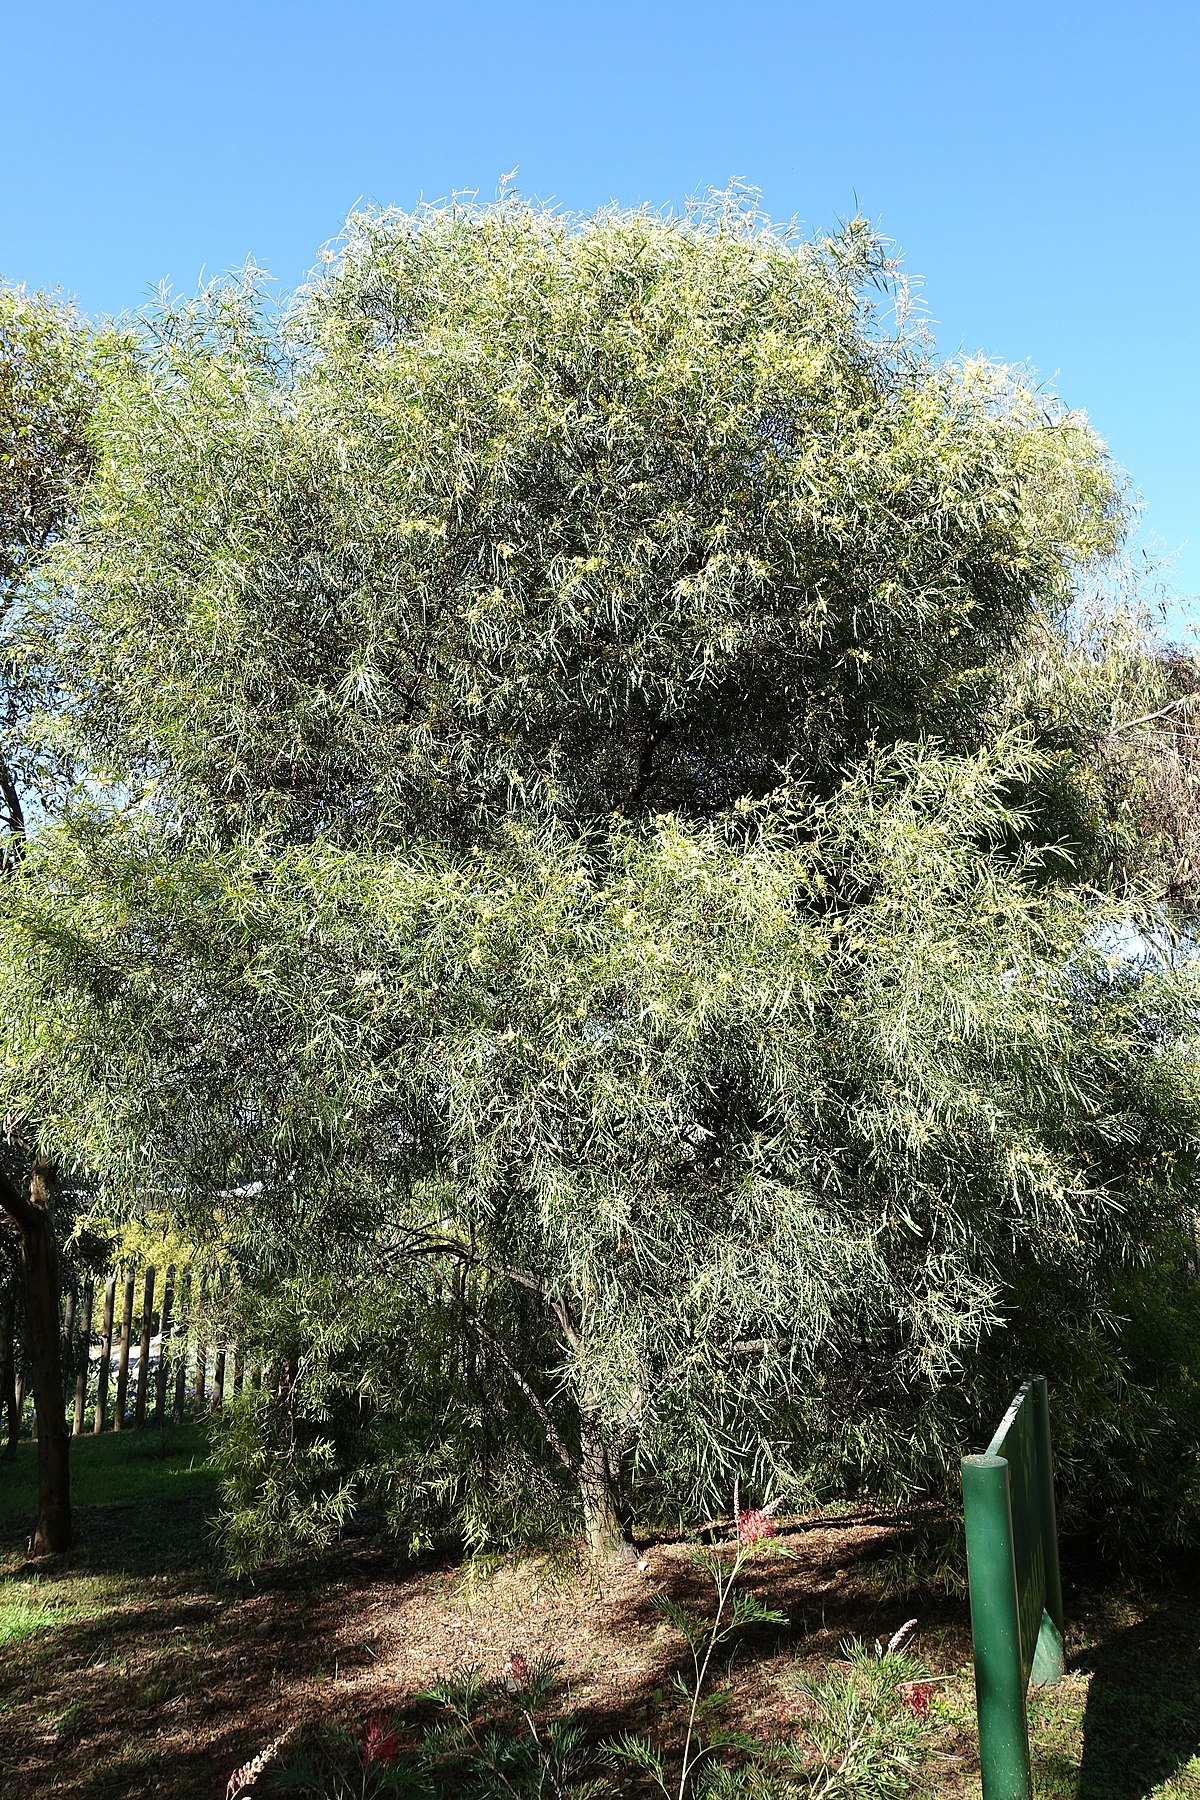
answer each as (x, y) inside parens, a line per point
(757, 1524)
(380, 1745)
(916, 1696)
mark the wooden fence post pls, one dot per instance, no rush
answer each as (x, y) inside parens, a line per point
(144, 1346)
(110, 1288)
(221, 1286)
(199, 1295)
(123, 1355)
(160, 1384)
(181, 1361)
(67, 1341)
(85, 1356)
(9, 1415)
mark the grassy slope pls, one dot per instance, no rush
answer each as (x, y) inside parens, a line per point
(134, 1667)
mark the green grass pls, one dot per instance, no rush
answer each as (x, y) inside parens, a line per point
(1124, 1723)
(145, 1468)
(141, 1504)
(20, 1617)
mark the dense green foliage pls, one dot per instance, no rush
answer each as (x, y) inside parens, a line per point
(525, 516)
(587, 875)
(47, 392)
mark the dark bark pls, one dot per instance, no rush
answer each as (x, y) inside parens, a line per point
(164, 1326)
(85, 1356)
(33, 1216)
(185, 1297)
(68, 1342)
(8, 1368)
(143, 1369)
(105, 1370)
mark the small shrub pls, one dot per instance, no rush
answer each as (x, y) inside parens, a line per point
(705, 1633)
(866, 1729)
(494, 1739)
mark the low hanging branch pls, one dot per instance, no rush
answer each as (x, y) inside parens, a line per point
(569, 1462)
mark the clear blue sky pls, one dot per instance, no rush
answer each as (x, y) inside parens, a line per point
(1038, 165)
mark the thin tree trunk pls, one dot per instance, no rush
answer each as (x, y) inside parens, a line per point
(68, 1342)
(200, 1291)
(181, 1353)
(606, 1534)
(8, 1368)
(144, 1345)
(161, 1374)
(34, 1219)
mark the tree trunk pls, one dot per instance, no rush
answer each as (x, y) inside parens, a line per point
(8, 1369)
(100, 1418)
(143, 1369)
(606, 1535)
(34, 1219)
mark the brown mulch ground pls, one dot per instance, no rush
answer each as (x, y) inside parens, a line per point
(188, 1674)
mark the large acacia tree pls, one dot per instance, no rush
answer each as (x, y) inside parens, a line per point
(562, 872)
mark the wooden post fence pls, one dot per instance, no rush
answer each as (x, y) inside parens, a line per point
(218, 1387)
(81, 1380)
(198, 1356)
(200, 1291)
(181, 1363)
(143, 1368)
(110, 1288)
(123, 1356)
(160, 1383)
(68, 1341)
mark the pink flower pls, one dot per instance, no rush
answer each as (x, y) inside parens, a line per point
(756, 1524)
(380, 1745)
(916, 1696)
(248, 1774)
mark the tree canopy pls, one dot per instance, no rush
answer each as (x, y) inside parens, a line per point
(524, 514)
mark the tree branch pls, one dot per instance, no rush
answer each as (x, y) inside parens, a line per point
(570, 1331)
(569, 1462)
(1149, 718)
(12, 800)
(465, 1253)
(21, 1210)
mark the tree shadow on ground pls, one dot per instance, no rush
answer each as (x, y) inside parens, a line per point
(1141, 1724)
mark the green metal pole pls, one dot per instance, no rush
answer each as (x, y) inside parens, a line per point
(999, 1684)
(1048, 1661)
